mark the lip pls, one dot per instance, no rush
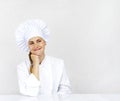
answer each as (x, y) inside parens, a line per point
(37, 49)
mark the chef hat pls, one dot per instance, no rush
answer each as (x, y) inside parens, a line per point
(29, 29)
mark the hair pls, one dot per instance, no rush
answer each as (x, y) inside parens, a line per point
(31, 63)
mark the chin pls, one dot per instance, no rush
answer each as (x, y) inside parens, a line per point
(38, 53)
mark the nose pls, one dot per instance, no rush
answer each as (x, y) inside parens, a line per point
(35, 45)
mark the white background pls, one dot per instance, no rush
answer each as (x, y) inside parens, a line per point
(85, 33)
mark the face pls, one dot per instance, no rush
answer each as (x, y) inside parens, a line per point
(37, 46)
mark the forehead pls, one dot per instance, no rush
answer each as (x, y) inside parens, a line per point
(35, 38)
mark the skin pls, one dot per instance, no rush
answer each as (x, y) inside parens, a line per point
(37, 49)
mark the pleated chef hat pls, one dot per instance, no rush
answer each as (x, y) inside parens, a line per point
(29, 29)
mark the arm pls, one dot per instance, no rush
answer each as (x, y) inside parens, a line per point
(64, 86)
(28, 83)
(35, 70)
(35, 65)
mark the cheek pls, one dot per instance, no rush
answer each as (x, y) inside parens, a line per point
(30, 48)
(44, 44)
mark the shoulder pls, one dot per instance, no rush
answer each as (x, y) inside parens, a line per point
(24, 64)
(57, 64)
(55, 60)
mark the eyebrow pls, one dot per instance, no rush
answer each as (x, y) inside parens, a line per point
(38, 39)
(35, 40)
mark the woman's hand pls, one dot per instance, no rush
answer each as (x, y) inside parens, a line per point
(35, 67)
(35, 59)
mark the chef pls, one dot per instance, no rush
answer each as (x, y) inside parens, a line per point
(39, 73)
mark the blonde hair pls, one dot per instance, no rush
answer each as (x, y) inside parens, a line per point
(31, 65)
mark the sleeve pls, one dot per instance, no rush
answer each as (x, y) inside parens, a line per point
(64, 86)
(28, 83)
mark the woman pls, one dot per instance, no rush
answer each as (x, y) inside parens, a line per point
(39, 74)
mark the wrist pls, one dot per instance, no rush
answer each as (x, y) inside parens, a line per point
(36, 65)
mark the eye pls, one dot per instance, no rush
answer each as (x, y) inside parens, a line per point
(31, 43)
(38, 40)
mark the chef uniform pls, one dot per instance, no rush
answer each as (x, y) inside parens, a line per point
(53, 78)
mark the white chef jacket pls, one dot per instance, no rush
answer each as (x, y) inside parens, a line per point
(53, 78)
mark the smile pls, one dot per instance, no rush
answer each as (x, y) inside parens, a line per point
(37, 49)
